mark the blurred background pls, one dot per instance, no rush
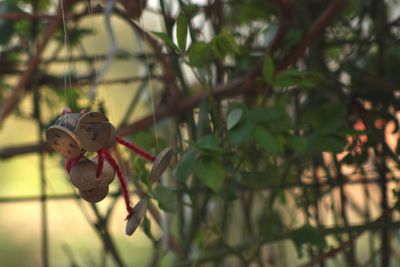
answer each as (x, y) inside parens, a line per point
(71, 239)
(283, 117)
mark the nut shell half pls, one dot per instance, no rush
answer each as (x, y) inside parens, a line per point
(63, 141)
(83, 175)
(93, 136)
(93, 117)
(94, 195)
(160, 164)
(139, 211)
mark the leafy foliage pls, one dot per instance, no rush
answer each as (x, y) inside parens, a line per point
(272, 107)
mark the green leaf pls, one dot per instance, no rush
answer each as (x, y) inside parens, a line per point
(326, 143)
(271, 226)
(268, 68)
(307, 234)
(224, 44)
(146, 226)
(327, 118)
(233, 117)
(209, 143)
(240, 133)
(293, 77)
(167, 40)
(211, 172)
(298, 143)
(184, 168)
(263, 114)
(190, 10)
(199, 54)
(166, 198)
(256, 180)
(268, 141)
(181, 31)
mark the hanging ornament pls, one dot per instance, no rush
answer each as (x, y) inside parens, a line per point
(74, 134)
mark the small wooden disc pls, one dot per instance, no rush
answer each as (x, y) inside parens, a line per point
(83, 175)
(108, 173)
(93, 136)
(68, 120)
(93, 117)
(160, 164)
(63, 141)
(95, 195)
(112, 136)
(138, 214)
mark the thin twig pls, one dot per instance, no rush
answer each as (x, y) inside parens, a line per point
(10, 103)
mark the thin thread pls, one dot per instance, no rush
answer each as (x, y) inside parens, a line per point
(90, 10)
(67, 61)
(149, 79)
(111, 51)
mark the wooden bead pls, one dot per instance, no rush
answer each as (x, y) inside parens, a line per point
(139, 211)
(83, 175)
(94, 195)
(160, 164)
(64, 141)
(94, 131)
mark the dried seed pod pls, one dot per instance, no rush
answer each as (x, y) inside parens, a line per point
(108, 172)
(83, 175)
(138, 214)
(93, 131)
(95, 195)
(160, 164)
(68, 120)
(64, 141)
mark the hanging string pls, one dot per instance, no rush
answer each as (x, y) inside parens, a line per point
(149, 79)
(89, 4)
(111, 50)
(67, 62)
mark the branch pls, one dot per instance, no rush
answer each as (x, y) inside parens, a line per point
(11, 102)
(316, 28)
(19, 16)
(235, 87)
(344, 245)
(285, 16)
